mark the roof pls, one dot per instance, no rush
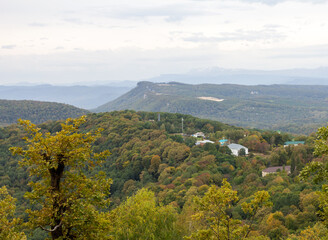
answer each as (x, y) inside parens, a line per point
(203, 142)
(236, 146)
(198, 134)
(274, 169)
(294, 142)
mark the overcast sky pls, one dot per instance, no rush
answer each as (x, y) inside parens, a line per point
(70, 41)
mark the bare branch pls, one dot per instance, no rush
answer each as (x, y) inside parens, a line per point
(52, 230)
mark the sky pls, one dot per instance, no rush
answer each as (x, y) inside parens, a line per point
(82, 41)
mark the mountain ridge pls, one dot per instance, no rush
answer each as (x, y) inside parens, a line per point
(275, 107)
(36, 111)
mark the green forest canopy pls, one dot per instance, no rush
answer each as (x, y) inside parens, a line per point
(153, 155)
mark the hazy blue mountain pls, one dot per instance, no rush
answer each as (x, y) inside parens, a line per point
(92, 96)
(318, 76)
(294, 108)
(86, 97)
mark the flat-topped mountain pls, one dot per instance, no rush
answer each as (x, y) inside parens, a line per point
(294, 108)
(35, 111)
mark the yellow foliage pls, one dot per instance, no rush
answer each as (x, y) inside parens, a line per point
(278, 180)
(9, 228)
(65, 196)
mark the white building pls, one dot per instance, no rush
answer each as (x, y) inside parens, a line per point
(235, 148)
(198, 134)
(203, 142)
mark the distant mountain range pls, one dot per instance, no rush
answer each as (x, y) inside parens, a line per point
(35, 111)
(318, 76)
(92, 96)
(294, 100)
(293, 108)
(86, 97)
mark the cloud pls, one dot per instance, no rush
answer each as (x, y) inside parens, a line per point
(170, 13)
(274, 2)
(78, 21)
(316, 51)
(268, 33)
(59, 48)
(135, 64)
(268, 2)
(8, 46)
(82, 66)
(36, 24)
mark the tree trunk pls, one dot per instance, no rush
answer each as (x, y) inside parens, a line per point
(56, 175)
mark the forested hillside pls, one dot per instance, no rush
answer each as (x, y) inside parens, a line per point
(37, 112)
(296, 109)
(166, 187)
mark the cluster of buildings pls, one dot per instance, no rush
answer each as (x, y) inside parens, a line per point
(236, 149)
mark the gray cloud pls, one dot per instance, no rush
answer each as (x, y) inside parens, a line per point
(8, 46)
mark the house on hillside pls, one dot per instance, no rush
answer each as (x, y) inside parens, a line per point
(271, 170)
(198, 135)
(201, 143)
(223, 142)
(235, 148)
(293, 143)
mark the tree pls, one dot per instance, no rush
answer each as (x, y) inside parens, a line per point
(319, 171)
(259, 200)
(65, 200)
(279, 157)
(317, 232)
(255, 143)
(8, 224)
(214, 212)
(140, 217)
(242, 152)
(154, 164)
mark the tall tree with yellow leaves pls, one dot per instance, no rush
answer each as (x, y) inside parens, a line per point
(213, 212)
(66, 202)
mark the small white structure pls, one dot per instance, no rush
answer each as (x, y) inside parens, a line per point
(198, 134)
(235, 148)
(271, 170)
(203, 142)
